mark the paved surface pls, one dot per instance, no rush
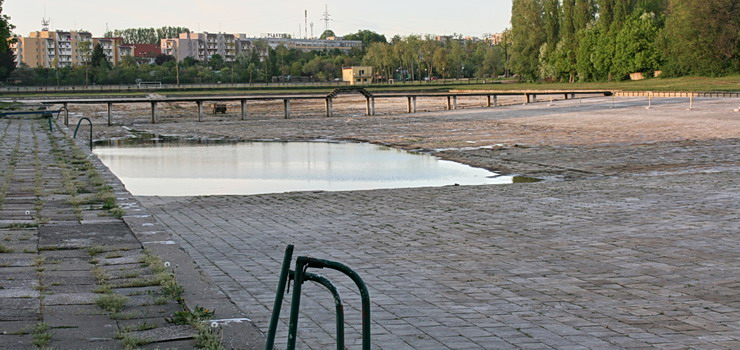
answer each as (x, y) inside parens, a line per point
(638, 250)
(601, 264)
(62, 252)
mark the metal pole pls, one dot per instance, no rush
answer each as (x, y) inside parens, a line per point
(303, 261)
(295, 303)
(110, 108)
(66, 115)
(338, 306)
(78, 128)
(286, 103)
(200, 110)
(282, 280)
(328, 103)
(244, 109)
(154, 113)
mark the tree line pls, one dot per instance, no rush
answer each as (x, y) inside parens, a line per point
(550, 40)
(404, 58)
(597, 40)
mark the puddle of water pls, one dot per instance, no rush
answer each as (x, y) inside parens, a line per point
(188, 169)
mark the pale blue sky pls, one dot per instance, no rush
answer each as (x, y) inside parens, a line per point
(468, 17)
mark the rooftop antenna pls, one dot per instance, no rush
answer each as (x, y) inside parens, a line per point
(45, 21)
(327, 17)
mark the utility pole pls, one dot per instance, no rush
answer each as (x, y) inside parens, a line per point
(326, 18)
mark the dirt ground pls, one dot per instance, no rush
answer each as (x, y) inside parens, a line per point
(580, 137)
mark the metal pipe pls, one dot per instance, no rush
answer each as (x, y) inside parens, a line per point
(295, 303)
(339, 307)
(78, 128)
(306, 262)
(270, 342)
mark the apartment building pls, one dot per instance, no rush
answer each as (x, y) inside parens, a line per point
(52, 48)
(202, 46)
(111, 48)
(49, 49)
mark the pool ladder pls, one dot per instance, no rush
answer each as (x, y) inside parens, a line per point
(300, 275)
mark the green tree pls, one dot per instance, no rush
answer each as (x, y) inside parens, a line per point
(701, 37)
(552, 23)
(367, 37)
(216, 62)
(565, 52)
(98, 57)
(7, 58)
(326, 34)
(583, 14)
(635, 49)
(527, 37)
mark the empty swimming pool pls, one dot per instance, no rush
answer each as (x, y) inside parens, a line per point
(246, 168)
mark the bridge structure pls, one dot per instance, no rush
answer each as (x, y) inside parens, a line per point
(370, 98)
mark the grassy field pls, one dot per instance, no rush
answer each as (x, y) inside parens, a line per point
(685, 84)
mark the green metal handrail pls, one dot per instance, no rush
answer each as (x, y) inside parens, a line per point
(91, 131)
(301, 265)
(338, 306)
(300, 275)
(282, 280)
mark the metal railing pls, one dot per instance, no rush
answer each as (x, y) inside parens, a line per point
(91, 130)
(47, 114)
(299, 275)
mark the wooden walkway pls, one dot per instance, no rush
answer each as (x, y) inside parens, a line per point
(411, 98)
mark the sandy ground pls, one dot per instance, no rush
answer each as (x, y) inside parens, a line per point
(566, 138)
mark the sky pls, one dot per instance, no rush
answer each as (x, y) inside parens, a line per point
(388, 17)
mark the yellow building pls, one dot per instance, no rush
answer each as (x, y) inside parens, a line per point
(49, 49)
(358, 75)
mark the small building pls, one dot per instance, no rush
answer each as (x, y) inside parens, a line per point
(358, 75)
(146, 53)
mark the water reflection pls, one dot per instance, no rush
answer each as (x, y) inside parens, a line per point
(177, 169)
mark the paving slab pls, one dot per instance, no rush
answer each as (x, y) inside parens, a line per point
(576, 263)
